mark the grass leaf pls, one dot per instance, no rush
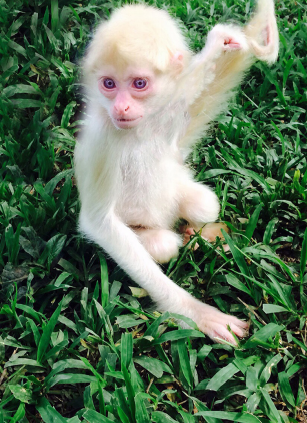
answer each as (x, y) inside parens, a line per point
(303, 256)
(46, 335)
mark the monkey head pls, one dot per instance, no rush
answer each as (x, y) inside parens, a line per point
(133, 62)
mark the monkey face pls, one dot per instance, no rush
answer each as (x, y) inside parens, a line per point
(127, 95)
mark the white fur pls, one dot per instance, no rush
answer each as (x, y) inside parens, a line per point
(133, 183)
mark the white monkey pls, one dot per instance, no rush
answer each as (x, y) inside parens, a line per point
(150, 101)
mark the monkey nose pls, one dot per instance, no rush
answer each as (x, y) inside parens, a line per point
(121, 109)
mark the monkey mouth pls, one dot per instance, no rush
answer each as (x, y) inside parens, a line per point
(123, 123)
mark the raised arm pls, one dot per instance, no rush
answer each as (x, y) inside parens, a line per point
(229, 52)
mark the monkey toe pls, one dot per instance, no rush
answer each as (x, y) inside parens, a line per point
(213, 230)
(209, 232)
(187, 233)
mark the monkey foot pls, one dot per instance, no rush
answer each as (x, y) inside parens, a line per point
(209, 233)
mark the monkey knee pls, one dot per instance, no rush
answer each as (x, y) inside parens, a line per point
(200, 205)
(161, 244)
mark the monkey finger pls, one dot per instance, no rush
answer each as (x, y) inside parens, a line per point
(241, 333)
(225, 321)
(231, 44)
(232, 319)
(224, 334)
(218, 333)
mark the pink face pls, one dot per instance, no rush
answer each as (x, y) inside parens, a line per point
(126, 94)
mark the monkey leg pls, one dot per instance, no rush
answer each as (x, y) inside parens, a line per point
(162, 244)
(199, 205)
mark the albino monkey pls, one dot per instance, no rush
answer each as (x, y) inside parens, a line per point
(151, 100)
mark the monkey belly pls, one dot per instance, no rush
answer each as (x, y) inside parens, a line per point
(148, 210)
(151, 199)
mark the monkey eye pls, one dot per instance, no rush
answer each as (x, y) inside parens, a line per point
(140, 83)
(109, 84)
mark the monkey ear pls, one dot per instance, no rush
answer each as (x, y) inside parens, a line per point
(177, 62)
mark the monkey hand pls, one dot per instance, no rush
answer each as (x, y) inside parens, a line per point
(221, 40)
(226, 38)
(216, 324)
(209, 320)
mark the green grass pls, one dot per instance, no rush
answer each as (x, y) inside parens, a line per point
(75, 345)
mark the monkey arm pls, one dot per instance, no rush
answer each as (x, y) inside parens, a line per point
(229, 53)
(123, 245)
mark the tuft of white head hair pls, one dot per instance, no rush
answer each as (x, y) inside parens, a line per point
(136, 34)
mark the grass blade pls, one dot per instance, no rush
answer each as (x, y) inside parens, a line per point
(275, 414)
(237, 255)
(126, 347)
(46, 335)
(228, 415)
(91, 416)
(48, 413)
(285, 389)
(141, 413)
(222, 376)
(104, 278)
(252, 223)
(303, 257)
(54, 15)
(130, 391)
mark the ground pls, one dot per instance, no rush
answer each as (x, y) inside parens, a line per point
(78, 340)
